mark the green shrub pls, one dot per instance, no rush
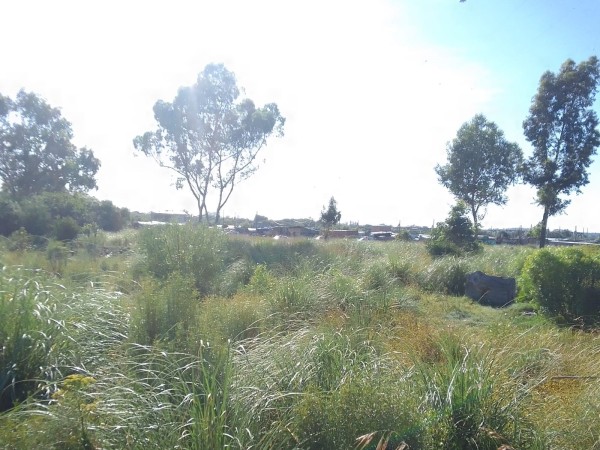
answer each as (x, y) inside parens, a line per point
(564, 283)
(221, 320)
(343, 291)
(9, 216)
(65, 229)
(455, 235)
(404, 235)
(303, 390)
(36, 217)
(441, 247)
(262, 281)
(109, 217)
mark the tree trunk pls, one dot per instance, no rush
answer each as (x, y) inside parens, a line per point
(544, 227)
(199, 203)
(475, 224)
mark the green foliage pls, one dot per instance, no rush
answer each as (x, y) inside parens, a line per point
(455, 235)
(445, 275)
(536, 231)
(74, 396)
(482, 164)
(10, 213)
(20, 240)
(204, 160)
(36, 217)
(464, 402)
(60, 214)
(57, 254)
(360, 407)
(237, 275)
(330, 216)
(318, 351)
(77, 206)
(189, 250)
(29, 334)
(36, 153)
(294, 295)
(403, 235)
(164, 311)
(65, 229)
(562, 128)
(109, 217)
(209, 424)
(564, 283)
(281, 256)
(262, 281)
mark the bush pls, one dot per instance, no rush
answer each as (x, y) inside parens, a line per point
(36, 217)
(9, 216)
(403, 235)
(564, 283)
(109, 217)
(455, 235)
(65, 229)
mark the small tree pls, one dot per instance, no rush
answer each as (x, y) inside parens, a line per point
(330, 216)
(455, 235)
(209, 138)
(561, 126)
(481, 165)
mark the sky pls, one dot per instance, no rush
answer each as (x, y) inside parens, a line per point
(372, 92)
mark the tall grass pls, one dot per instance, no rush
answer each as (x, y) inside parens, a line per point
(253, 343)
(467, 402)
(31, 332)
(190, 250)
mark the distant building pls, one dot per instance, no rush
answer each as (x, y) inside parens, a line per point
(343, 233)
(170, 217)
(381, 228)
(293, 231)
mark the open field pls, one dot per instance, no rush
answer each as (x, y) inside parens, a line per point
(182, 337)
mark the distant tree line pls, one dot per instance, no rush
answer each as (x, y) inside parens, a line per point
(60, 215)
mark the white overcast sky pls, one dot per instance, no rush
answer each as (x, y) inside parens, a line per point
(372, 91)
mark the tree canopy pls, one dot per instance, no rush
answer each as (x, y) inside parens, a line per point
(455, 235)
(562, 128)
(36, 153)
(330, 216)
(481, 165)
(209, 137)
